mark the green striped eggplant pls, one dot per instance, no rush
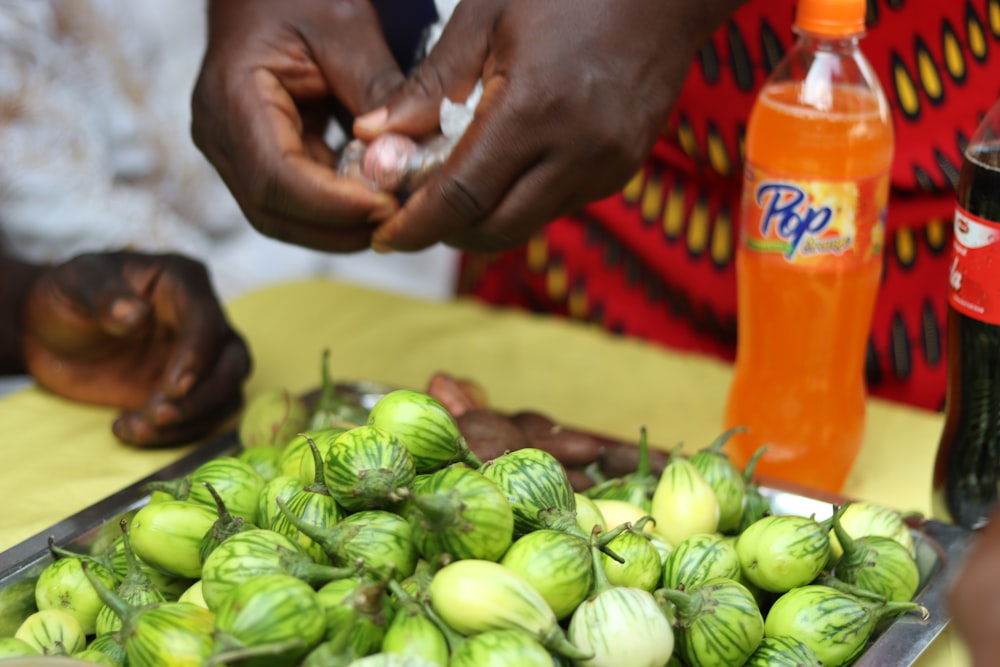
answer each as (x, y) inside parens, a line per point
(136, 588)
(94, 657)
(111, 646)
(724, 478)
(660, 544)
(425, 427)
(877, 564)
(52, 632)
(391, 660)
(636, 563)
(588, 515)
(556, 564)
(364, 603)
(861, 519)
(698, 559)
(834, 624)
(264, 459)
(458, 511)
(11, 647)
(718, 623)
(474, 596)
(783, 651)
(365, 467)
(619, 625)
(255, 553)
(273, 620)
(237, 482)
(314, 505)
(194, 595)
(272, 417)
(225, 526)
(17, 599)
(412, 632)
(296, 458)
(112, 559)
(780, 552)
(684, 503)
(501, 648)
(383, 541)
(636, 488)
(619, 512)
(537, 487)
(63, 585)
(168, 536)
(283, 487)
(167, 634)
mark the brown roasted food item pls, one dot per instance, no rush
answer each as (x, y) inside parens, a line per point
(489, 434)
(456, 395)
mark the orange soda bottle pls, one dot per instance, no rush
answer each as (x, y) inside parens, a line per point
(816, 183)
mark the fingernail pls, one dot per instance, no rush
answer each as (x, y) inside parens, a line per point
(184, 384)
(373, 120)
(164, 413)
(127, 311)
(381, 248)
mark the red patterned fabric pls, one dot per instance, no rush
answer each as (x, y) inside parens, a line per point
(656, 260)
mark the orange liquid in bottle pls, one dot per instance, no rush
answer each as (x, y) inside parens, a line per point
(803, 327)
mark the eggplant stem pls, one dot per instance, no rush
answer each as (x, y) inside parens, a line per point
(717, 444)
(751, 465)
(319, 477)
(555, 640)
(247, 652)
(644, 468)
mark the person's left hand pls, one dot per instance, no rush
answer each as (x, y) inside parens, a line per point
(144, 333)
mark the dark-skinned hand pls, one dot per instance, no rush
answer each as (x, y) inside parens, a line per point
(273, 75)
(974, 601)
(575, 94)
(144, 333)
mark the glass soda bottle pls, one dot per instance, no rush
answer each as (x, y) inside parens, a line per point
(968, 462)
(819, 144)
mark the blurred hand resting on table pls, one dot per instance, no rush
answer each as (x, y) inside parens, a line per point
(144, 333)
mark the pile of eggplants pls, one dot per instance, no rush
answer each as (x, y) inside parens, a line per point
(351, 537)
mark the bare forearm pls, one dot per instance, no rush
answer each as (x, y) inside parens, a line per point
(16, 278)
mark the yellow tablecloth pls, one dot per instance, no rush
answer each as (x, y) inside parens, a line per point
(57, 457)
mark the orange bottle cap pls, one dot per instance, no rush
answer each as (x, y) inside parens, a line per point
(831, 18)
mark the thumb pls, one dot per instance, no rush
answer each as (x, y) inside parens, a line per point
(450, 70)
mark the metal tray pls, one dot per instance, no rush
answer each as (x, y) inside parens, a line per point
(940, 547)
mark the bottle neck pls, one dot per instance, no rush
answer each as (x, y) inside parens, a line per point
(838, 44)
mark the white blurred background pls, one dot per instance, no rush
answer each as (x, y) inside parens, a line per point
(95, 152)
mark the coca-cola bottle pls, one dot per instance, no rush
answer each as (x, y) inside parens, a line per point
(968, 461)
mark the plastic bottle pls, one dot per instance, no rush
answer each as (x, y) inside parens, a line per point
(968, 462)
(819, 145)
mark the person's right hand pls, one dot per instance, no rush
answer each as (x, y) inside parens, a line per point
(575, 93)
(273, 75)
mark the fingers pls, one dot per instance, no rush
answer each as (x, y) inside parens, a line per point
(450, 70)
(187, 310)
(492, 155)
(94, 285)
(275, 178)
(163, 422)
(355, 61)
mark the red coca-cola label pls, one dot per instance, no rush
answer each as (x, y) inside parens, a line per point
(975, 267)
